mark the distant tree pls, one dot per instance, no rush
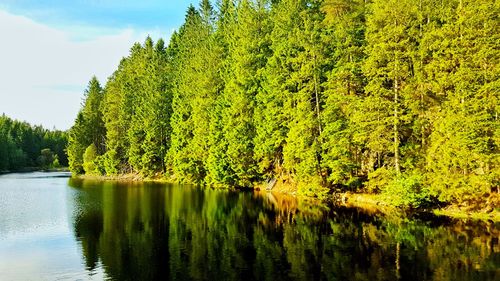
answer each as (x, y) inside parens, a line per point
(20, 140)
(46, 158)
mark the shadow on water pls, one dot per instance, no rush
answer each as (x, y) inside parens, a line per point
(148, 231)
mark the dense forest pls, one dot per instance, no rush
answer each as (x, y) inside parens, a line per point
(399, 97)
(23, 146)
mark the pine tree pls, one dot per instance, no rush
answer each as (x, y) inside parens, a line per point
(115, 158)
(248, 49)
(463, 155)
(88, 129)
(77, 141)
(270, 117)
(93, 115)
(389, 70)
(179, 158)
(289, 107)
(219, 172)
(151, 110)
(344, 30)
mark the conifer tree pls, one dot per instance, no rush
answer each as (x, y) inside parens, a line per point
(219, 172)
(463, 156)
(344, 30)
(179, 157)
(388, 69)
(270, 116)
(88, 129)
(194, 94)
(248, 51)
(115, 158)
(151, 110)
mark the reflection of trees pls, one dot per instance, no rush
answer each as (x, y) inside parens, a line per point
(147, 232)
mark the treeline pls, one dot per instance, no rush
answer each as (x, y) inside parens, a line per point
(25, 146)
(393, 96)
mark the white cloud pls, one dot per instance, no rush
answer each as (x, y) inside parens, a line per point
(44, 70)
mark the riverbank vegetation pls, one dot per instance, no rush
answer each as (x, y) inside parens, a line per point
(24, 147)
(399, 98)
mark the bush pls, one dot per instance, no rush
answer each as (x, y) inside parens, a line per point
(89, 157)
(407, 190)
(313, 187)
(55, 163)
(379, 179)
(111, 162)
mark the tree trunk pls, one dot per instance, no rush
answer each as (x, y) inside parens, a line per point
(398, 264)
(396, 121)
(318, 112)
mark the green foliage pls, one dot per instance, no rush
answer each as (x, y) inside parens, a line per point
(21, 144)
(89, 160)
(232, 158)
(408, 190)
(56, 163)
(398, 97)
(197, 83)
(75, 150)
(46, 158)
(379, 179)
(341, 139)
(88, 129)
(463, 155)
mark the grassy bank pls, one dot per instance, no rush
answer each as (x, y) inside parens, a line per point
(380, 203)
(131, 177)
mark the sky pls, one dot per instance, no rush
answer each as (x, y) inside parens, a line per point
(49, 50)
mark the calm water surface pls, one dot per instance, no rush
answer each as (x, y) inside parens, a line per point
(56, 228)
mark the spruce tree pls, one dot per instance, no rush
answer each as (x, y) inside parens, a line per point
(389, 71)
(88, 129)
(343, 30)
(248, 49)
(463, 155)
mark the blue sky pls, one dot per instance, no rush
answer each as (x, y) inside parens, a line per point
(51, 49)
(108, 14)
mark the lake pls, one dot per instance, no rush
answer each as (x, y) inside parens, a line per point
(56, 228)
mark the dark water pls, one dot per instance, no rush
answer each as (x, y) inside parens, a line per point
(54, 228)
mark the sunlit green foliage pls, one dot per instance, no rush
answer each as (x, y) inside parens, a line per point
(196, 83)
(88, 128)
(463, 159)
(397, 97)
(89, 159)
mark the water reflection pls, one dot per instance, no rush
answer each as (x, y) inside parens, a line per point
(152, 231)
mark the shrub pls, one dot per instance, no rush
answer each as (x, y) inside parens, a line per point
(407, 190)
(89, 157)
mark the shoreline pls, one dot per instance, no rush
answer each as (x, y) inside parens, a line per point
(34, 169)
(364, 201)
(377, 202)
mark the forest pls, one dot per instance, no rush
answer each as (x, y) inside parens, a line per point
(27, 147)
(396, 97)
